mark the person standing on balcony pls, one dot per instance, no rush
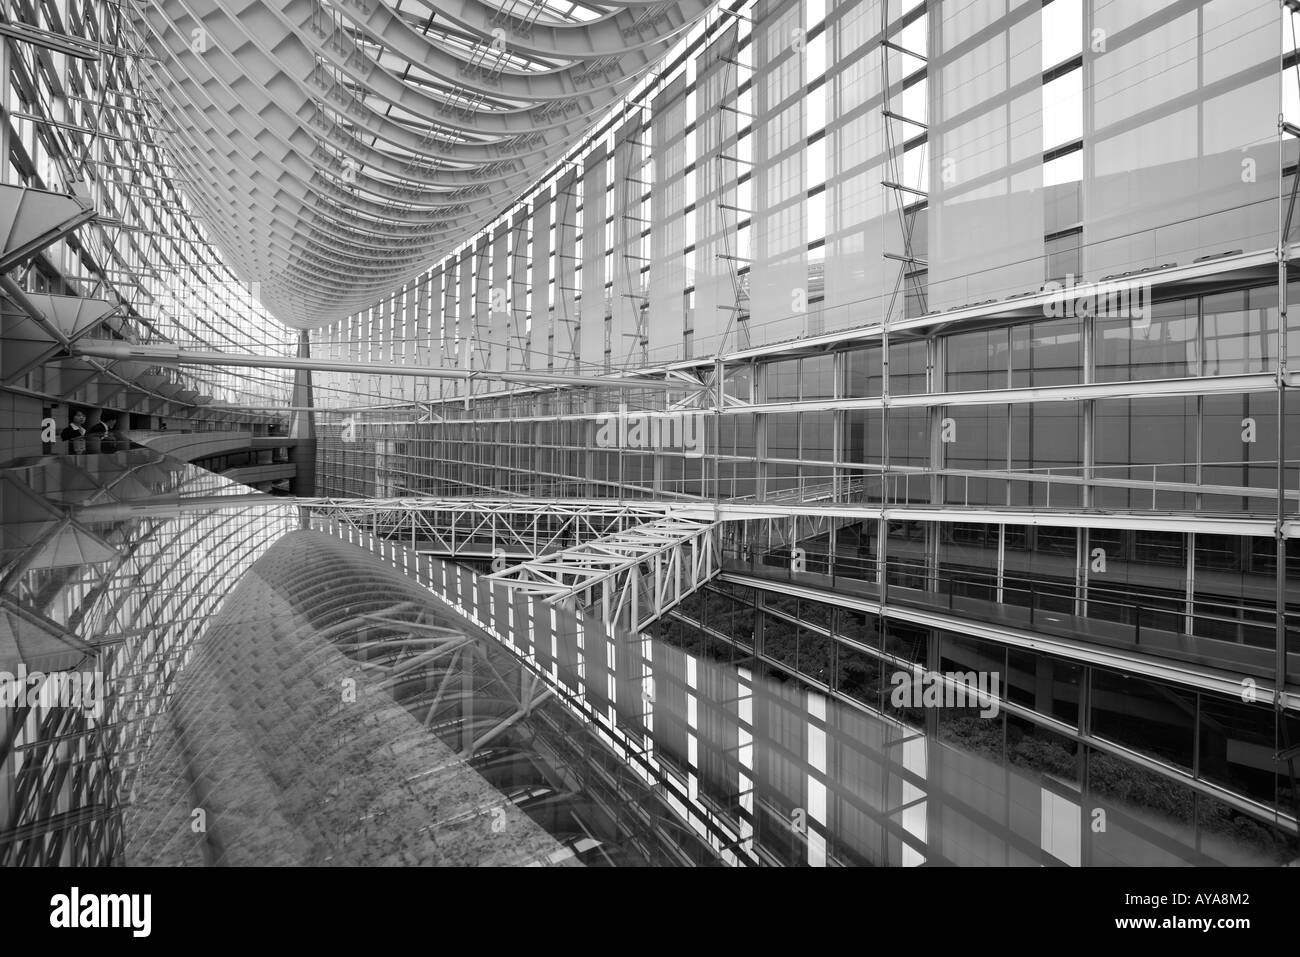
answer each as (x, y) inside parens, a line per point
(74, 432)
(106, 430)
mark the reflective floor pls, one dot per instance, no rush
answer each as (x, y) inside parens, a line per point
(196, 675)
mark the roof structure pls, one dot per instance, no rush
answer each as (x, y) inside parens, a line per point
(335, 149)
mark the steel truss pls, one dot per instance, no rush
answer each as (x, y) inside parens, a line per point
(477, 528)
(634, 560)
(632, 577)
(354, 511)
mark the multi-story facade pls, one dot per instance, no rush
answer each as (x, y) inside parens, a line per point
(978, 310)
(826, 348)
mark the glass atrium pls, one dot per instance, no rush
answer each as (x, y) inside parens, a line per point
(767, 432)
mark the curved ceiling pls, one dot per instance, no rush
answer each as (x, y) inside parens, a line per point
(336, 149)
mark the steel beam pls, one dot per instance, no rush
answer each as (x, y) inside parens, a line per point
(175, 355)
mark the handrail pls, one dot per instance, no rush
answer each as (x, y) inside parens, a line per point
(1073, 593)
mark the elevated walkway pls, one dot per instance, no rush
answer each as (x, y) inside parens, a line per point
(632, 577)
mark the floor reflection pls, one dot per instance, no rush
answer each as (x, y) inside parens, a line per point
(239, 682)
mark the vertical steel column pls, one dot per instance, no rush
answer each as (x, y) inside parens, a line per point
(1280, 570)
(719, 375)
(5, 129)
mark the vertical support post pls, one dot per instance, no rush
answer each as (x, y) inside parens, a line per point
(5, 128)
(1280, 570)
(719, 373)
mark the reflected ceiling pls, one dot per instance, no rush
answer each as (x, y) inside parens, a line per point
(170, 642)
(110, 567)
(336, 148)
(336, 713)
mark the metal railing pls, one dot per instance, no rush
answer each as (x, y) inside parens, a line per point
(1065, 606)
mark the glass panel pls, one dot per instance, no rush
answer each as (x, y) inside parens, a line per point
(1148, 718)
(986, 145)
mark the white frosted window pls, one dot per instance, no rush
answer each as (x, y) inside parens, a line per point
(465, 307)
(815, 167)
(448, 323)
(670, 229)
(716, 259)
(815, 107)
(482, 302)
(1062, 31)
(497, 342)
(815, 58)
(1183, 145)
(538, 320)
(854, 270)
(817, 217)
(986, 139)
(565, 314)
(592, 334)
(778, 284)
(1063, 109)
(1064, 169)
(627, 295)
